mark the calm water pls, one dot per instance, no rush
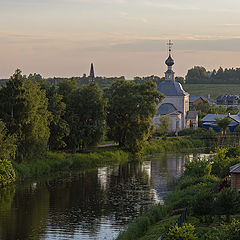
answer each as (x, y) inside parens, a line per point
(87, 205)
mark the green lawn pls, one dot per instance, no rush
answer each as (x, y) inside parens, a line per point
(214, 90)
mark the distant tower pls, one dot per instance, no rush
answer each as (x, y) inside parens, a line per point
(91, 76)
(169, 74)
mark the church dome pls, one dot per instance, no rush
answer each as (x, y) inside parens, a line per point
(169, 62)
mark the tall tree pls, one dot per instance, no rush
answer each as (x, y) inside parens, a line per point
(24, 110)
(66, 87)
(85, 115)
(130, 110)
(59, 128)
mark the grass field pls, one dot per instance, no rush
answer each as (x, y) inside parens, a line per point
(214, 90)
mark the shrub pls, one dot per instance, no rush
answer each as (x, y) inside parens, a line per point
(186, 232)
(204, 205)
(228, 202)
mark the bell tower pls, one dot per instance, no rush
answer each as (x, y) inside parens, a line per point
(169, 74)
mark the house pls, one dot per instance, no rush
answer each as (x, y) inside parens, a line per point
(235, 176)
(209, 121)
(228, 100)
(195, 100)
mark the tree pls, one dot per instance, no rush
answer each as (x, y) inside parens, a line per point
(204, 205)
(130, 110)
(197, 75)
(163, 125)
(86, 116)
(7, 153)
(66, 87)
(24, 110)
(228, 202)
(59, 128)
(223, 123)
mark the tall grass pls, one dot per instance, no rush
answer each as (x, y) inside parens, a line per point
(55, 162)
(171, 145)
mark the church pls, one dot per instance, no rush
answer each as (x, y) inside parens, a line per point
(175, 105)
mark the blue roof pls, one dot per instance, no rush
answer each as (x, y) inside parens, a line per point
(212, 117)
(166, 108)
(171, 88)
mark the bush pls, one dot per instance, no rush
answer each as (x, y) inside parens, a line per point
(228, 202)
(140, 227)
(204, 205)
(186, 232)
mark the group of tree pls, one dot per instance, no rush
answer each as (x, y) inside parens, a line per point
(37, 116)
(199, 75)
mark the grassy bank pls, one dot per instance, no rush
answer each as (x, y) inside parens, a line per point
(53, 162)
(210, 207)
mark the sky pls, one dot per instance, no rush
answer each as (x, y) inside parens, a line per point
(121, 37)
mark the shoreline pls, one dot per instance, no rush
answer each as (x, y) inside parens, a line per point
(55, 162)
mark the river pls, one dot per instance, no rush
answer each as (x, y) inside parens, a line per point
(94, 204)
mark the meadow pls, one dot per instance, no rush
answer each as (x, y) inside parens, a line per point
(214, 90)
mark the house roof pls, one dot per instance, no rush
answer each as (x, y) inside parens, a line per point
(235, 117)
(212, 117)
(193, 98)
(166, 108)
(171, 88)
(235, 168)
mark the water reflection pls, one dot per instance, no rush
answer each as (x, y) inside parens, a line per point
(88, 205)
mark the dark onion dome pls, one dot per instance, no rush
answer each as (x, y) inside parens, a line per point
(169, 62)
(171, 88)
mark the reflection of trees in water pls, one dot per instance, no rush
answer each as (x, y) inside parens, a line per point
(84, 201)
(125, 195)
(27, 216)
(128, 193)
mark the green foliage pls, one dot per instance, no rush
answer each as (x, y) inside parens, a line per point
(163, 125)
(142, 224)
(66, 88)
(204, 205)
(7, 173)
(228, 202)
(231, 231)
(86, 116)
(54, 162)
(221, 162)
(59, 128)
(223, 123)
(23, 107)
(7, 143)
(7, 153)
(130, 110)
(186, 232)
(196, 167)
(201, 75)
(169, 145)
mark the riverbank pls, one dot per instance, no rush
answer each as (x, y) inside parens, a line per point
(211, 204)
(53, 162)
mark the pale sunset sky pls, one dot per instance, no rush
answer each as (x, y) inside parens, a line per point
(121, 37)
